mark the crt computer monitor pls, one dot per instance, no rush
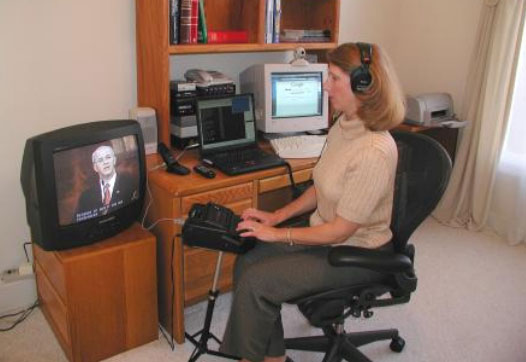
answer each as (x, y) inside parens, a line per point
(288, 97)
(67, 204)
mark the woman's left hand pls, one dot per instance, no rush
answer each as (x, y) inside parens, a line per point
(258, 230)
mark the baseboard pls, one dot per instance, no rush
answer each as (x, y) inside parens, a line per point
(17, 295)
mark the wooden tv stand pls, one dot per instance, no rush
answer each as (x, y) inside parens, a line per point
(193, 268)
(101, 299)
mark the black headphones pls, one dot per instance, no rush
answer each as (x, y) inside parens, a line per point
(361, 78)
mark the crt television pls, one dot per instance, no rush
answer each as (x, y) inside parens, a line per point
(83, 183)
(288, 97)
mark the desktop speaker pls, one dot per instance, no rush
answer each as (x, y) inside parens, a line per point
(146, 118)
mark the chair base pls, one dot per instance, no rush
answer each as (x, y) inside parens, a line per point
(344, 346)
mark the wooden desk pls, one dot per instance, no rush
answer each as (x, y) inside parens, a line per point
(193, 268)
(100, 299)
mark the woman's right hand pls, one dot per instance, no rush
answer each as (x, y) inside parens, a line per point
(264, 217)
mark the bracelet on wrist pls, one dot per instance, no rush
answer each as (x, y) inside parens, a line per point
(289, 238)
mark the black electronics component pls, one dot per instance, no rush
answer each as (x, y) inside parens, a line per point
(204, 171)
(172, 165)
(213, 227)
(216, 89)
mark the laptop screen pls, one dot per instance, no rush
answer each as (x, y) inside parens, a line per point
(226, 122)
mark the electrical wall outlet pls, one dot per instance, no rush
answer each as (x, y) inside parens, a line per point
(24, 271)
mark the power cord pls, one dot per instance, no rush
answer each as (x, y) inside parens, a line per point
(25, 250)
(23, 315)
(171, 342)
(189, 147)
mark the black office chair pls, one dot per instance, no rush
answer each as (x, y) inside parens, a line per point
(422, 175)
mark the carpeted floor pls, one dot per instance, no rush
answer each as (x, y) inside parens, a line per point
(469, 306)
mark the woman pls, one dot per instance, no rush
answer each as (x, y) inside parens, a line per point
(352, 199)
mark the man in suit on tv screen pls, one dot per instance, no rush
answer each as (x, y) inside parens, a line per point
(112, 189)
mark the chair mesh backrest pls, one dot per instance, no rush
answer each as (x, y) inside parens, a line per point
(422, 175)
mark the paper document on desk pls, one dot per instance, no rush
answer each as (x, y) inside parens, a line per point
(302, 146)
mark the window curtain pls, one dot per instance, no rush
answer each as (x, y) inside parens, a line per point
(467, 199)
(508, 207)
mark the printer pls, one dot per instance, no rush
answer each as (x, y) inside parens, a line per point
(429, 109)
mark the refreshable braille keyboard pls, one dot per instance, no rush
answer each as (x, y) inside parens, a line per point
(213, 227)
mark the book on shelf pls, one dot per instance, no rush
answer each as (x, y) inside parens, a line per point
(276, 21)
(185, 12)
(194, 21)
(305, 35)
(188, 14)
(306, 32)
(227, 36)
(174, 21)
(202, 33)
(269, 21)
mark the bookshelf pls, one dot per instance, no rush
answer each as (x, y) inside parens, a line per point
(154, 49)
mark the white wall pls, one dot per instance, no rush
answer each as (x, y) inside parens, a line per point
(61, 63)
(65, 62)
(434, 45)
(430, 42)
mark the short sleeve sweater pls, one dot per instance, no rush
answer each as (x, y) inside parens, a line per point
(354, 179)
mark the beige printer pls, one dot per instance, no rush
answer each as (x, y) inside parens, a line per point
(429, 109)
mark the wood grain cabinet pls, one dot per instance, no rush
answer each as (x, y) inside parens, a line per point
(154, 49)
(185, 274)
(101, 299)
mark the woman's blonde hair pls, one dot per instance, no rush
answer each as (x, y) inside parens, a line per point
(382, 103)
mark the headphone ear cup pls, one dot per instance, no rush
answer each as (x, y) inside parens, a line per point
(360, 79)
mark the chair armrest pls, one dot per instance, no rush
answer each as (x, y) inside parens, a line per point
(377, 260)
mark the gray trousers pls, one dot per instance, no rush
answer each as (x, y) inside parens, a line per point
(269, 275)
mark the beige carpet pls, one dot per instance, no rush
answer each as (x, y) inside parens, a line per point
(470, 305)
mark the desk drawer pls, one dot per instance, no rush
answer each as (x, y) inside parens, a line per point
(199, 268)
(199, 264)
(225, 196)
(276, 182)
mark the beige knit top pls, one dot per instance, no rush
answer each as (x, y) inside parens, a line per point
(354, 179)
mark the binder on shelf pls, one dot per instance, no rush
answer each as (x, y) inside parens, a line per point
(277, 21)
(174, 22)
(227, 36)
(202, 33)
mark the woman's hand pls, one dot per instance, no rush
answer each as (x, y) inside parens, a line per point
(263, 217)
(251, 228)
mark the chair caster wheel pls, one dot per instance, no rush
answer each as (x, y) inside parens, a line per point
(397, 344)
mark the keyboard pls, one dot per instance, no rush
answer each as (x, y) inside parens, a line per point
(212, 226)
(221, 217)
(302, 146)
(236, 156)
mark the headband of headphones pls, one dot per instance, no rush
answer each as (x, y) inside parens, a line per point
(361, 77)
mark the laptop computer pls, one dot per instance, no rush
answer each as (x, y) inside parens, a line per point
(227, 133)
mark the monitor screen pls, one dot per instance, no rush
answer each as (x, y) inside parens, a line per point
(226, 121)
(97, 179)
(297, 94)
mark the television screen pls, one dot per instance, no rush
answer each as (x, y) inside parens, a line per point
(83, 183)
(95, 180)
(296, 94)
